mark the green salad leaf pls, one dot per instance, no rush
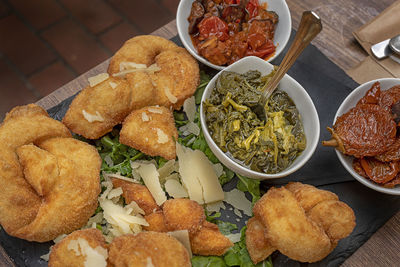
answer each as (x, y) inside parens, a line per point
(249, 185)
(226, 227)
(208, 261)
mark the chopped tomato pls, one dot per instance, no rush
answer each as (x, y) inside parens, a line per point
(232, 2)
(252, 8)
(213, 26)
(379, 172)
(259, 46)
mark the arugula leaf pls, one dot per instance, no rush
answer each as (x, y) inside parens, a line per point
(226, 227)
(204, 80)
(249, 185)
(226, 176)
(212, 218)
(208, 261)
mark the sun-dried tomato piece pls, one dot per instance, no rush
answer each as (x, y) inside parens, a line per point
(393, 182)
(389, 97)
(358, 168)
(372, 95)
(379, 172)
(365, 130)
(392, 154)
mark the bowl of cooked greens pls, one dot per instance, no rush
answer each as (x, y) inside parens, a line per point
(259, 149)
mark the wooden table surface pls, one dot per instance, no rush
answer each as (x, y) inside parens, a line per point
(340, 18)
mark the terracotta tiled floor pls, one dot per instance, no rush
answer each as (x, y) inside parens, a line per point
(46, 43)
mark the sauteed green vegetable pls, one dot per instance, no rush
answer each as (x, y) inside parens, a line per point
(269, 146)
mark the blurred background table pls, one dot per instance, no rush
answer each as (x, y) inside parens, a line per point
(340, 19)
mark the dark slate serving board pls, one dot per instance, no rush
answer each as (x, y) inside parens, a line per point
(327, 85)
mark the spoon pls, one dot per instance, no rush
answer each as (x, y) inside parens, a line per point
(310, 26)
(394, 44)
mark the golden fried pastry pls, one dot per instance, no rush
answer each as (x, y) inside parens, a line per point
(156, 222)
(209, 241)
(151, 130)
(148, 249)
(303, 222)
(257, 244)
(49, 181)
(96, 110)
(138, 193)
(176, 76)
(183, 214)
(79, 247)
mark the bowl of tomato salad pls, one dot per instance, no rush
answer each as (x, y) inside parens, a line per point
(220, 32)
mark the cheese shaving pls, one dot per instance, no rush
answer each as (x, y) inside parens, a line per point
(167, 169)
(239, 201)
(219, 169)
(59, 238)
(189, 128)
(113, 85)
(151, 69)
(155, 110)
(189, 106)
(145, 117)
(183, 237)
(175, 189)
(150, 177)
(127, 65)
(117, 176)
(170, 96)
(115, 193)
(162, 138)
(135, 208)
(94, 257)
(215, 207)
(95, 80)
(234, 237)
(92, 118)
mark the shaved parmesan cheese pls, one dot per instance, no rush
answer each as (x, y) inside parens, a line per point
(162, 138)
(126, 65)
(90, 117)
(215, 207)
(135, 208)
(239, 201)
(108, 160)
(234, 237)
(113, 85)
(183, 237)
(96, 219)
(189, 128)
(167, 169)
(237, 212)
(189, 106)
(115, 193)
(117, 176)
(95, 80)
(155, 110)
(94, 257)
(150, 175)
(145, 117)
(108, 184)
(151, 69)
(45, 257)
(174, 176)
(149, 262)
(198, 175)
(121, 219)
(219, 169)
(175, 189)
(59, 238)
(170, 96)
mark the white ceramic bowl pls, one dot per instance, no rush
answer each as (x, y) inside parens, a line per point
(350, 102)
(282, 32)
(303, 103)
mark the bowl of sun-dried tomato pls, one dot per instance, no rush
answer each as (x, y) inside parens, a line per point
(220, 32)
(366, 134)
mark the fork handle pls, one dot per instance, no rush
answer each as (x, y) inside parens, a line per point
(310, 26)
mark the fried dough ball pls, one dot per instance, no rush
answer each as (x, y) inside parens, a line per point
(75, 249)
(308, 195)
(110, 99)
(138, 193)
(301, 221)
(49, 181)
(151, 130)
(257, 244)
(176, 80)
(148, 249)
(183, 214)
(209, 241)
(289, 229)
(156, 222)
